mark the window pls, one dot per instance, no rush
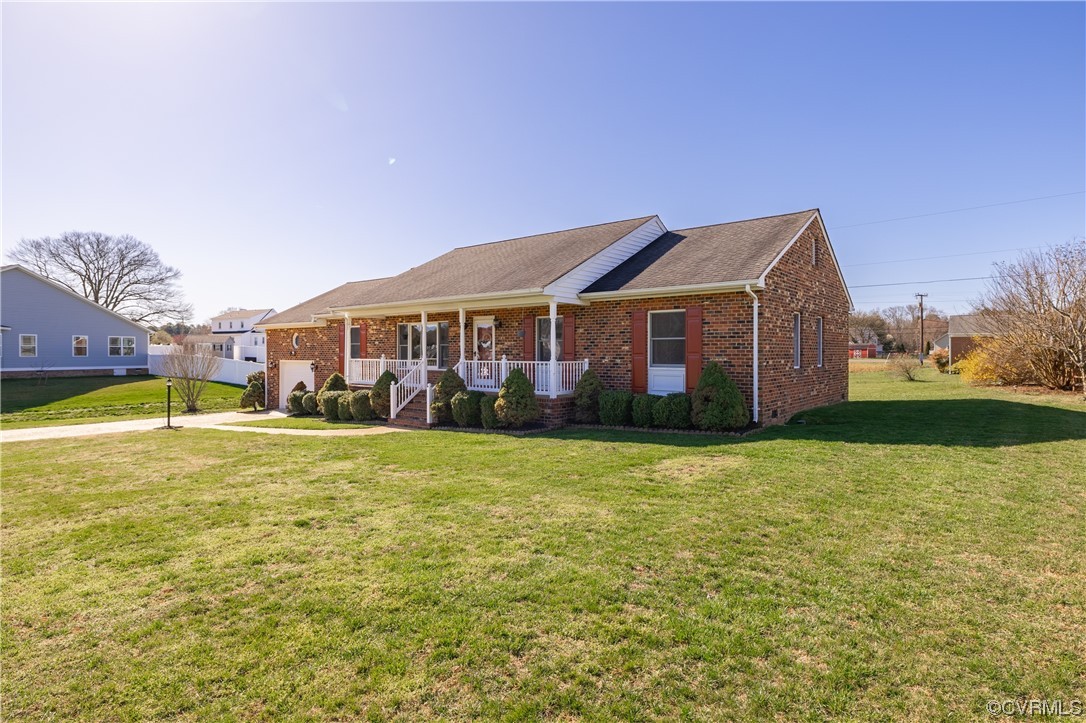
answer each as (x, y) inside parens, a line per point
(79, 346)
(795, 341)
(814, 252)
(296, 340)
(820, 341)
(122, 346)
(356, 342)
(543, 338)
(231, 325)
(409, 343)
(667, 338)
(220, 324)
(28, 345)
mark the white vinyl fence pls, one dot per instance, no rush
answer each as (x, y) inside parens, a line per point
(232, 371)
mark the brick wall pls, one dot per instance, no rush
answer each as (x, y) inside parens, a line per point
(319, 344)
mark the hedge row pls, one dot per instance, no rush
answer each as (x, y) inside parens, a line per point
(334, 400)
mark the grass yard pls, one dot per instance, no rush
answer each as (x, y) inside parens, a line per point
(910, 555)
(305, 423)
(83, 400)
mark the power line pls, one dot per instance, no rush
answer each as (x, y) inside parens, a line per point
(929, 281)
(959, 210)
(948, 256)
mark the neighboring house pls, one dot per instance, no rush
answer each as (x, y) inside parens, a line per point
(50, 329)
(643, 306)
(863, 351)
(222, 346)
(961, 337)
(238, 336)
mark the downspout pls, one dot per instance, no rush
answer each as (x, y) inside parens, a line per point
(755, 297)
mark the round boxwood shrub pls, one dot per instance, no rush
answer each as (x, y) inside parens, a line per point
(517, 405)
(672, 412)
(465, 408)
(487, 415)
(381, 394)
(717, 404)
(361, 411)
(309, 403)
(586, 398)
(329, 402)
(641, 409)
(334, 383)
(449, 384)
(295, 404)
(615, 407)
(345, 414)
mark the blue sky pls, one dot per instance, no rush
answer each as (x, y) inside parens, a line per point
(251, 144)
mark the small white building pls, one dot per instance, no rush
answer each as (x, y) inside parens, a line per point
(240, 340)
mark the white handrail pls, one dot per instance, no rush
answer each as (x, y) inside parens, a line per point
(407, 387)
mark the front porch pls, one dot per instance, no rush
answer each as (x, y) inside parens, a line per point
(483, 376)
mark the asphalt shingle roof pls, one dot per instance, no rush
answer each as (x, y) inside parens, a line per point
(736, 251)
(353, 293)
(240, 314)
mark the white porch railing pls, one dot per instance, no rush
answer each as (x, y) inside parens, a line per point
(407, 387)
(488, 376)
(366, 371)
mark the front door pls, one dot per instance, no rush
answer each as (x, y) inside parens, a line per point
(484, 373)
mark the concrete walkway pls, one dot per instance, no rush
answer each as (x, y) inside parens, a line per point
(218, 420)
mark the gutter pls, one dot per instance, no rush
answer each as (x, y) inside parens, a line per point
(755, 298)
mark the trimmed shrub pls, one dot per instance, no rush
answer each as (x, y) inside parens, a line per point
(615, 408)
(335, 383)
(329, 402)
(345, 407)
(299, 387)
(465, 408)
(295, 404)
(941, 358)
(309, 403)
(253, 396)
(257, 377)
(517, 405)
(381, 394)
(449, 384)
(717, 404)
(586, 398)
(361, 411)
(672, 412)
(641, 410)
(486, 412)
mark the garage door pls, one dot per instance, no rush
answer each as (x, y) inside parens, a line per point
(290, 373)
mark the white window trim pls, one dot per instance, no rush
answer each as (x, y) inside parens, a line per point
(648, 341)
(410, 346)
(21, 345)
(121, 346)
(797, 340)
(561, 337)
(820, 342)
(86, 347)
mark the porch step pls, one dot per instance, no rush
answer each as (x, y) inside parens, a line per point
(413, 415)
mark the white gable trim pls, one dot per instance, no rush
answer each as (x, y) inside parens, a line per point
(817, 215)
(66, 290)
(573, 282)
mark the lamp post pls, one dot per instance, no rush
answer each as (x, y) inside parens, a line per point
(169, 393)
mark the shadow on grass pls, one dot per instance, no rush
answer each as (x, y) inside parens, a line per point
(937, 422)
(23, 394)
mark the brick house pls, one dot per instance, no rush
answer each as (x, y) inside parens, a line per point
(963, 331)
(644, 306)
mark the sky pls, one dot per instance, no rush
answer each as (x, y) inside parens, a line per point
(274, 151)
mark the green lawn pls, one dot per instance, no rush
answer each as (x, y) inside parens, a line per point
(82, 400)
(304, 423)
(907, 556)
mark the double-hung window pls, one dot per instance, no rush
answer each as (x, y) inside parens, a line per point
(79, 345)
(122, 346)
(795, 340)
(667, 338)
(820, 341)
(28, 345)
(543, 338)
(356, 342)
(409, 344)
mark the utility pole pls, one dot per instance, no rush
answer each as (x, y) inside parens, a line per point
(920, 297)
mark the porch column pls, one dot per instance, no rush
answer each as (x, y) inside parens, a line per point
(463, 333)
(424, 357)
(554, 350)
(347, 346)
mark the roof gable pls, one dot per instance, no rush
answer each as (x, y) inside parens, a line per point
(64, 289)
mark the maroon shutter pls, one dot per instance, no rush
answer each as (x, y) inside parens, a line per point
(693, 347)
(529, 338)
(639, 347)
(363, 340)
(569, 337)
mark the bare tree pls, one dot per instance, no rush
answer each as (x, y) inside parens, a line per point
(866, 327)
(1038, 303)
(121, 273)
(190, 366)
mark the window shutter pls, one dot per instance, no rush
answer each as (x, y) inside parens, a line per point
(639, 346)
(529, 338)
(363, 340)
(693, 347)
(569, 337)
